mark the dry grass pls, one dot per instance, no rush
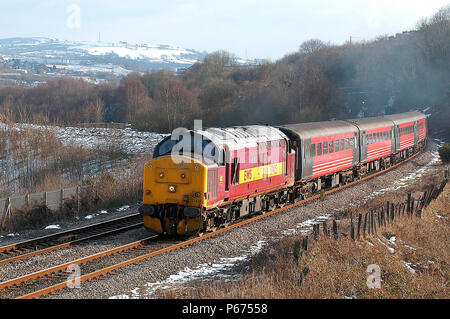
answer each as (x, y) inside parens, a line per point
(337, 268)
(119, 186)
(33, 161)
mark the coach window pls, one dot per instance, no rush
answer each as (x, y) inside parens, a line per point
(325, 148)
(313, 150)
(342, 144)
(347, 143)
(319, 149)
(331, 146)
(336, 146)
(369, 139)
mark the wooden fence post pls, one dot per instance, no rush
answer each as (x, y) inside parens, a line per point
(387, 212)
(316, 231)
(352, 228)
(365, 223)
(305, 243)
(335, 229)
(409, 204)
(379, 219)
(374, 222)
(371, 223)
(359, 226)
(325, 228)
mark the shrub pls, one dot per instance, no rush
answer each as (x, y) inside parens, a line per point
(444, 153)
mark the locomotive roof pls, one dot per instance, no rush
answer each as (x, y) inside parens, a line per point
(368, 123)
(316, 129)
(405, 117)
(242, 136)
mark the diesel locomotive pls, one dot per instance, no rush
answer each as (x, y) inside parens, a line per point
(204, 179)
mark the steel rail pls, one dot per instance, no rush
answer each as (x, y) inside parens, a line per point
(81, 261)
(59, 234)
(52, 239)
(67, 244)
(110, 269)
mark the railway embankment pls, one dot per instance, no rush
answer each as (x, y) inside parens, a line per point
(398, 250)
(224, 257)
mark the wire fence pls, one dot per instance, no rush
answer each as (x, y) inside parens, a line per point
(53, 200)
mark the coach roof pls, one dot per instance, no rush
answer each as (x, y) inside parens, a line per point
(405, 117)
(369, 123)
(317, 129)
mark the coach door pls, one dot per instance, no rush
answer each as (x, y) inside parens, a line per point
(363, 147)
(416, 132)
(307, 167)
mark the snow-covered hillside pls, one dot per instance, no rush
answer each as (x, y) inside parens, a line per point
(46, 50)
(125, 140)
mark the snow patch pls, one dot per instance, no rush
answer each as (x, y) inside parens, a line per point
(53, 227)
(206, 271)
(392, 250)
(408, 265)
(13, 235)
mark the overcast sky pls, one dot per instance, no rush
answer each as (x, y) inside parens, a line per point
(247, 28)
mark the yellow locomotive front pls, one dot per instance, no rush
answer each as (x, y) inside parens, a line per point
(173, 194)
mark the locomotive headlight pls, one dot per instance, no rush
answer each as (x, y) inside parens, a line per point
(161, 175)
(172, 188)
(148, 192)
(183, 175)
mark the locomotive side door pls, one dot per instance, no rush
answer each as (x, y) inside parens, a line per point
(227, 171)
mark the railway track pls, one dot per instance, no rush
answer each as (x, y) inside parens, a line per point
(45, 281)
(44, 244)
(56, 278)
